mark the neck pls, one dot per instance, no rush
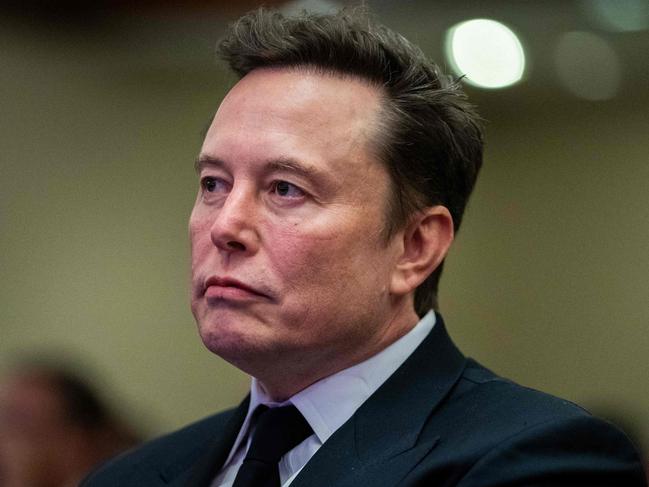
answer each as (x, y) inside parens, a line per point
(283, 382)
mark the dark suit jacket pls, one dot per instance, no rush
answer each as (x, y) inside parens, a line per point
(439, 420)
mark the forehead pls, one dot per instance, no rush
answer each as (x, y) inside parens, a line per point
(335, 114)
(301, 89)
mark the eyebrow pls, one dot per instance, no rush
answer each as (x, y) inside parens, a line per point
(292, 165)
(204, 160)
(287, 164)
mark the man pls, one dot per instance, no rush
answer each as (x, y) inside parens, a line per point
(332, 180)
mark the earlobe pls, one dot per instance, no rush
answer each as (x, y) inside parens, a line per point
(426, 241)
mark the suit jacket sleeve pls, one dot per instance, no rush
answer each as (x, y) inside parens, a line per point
(579, 451)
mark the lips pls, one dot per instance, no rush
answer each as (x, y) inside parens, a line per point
(226, 288)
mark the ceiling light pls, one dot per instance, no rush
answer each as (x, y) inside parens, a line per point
(486, 52)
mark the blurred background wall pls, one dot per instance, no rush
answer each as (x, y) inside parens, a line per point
(101, 114)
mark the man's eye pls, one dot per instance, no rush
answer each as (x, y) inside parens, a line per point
(287, 190)
(211, 184)
(208, 184)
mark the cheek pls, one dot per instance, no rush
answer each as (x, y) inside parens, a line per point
(199, 237)
(294, 250)
(317, 262)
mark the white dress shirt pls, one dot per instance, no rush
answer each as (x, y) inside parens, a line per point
(326, 404)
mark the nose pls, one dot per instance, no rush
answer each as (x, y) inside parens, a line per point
(234, 226)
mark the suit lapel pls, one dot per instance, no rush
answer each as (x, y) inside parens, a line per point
(200, 470)
(382, 439)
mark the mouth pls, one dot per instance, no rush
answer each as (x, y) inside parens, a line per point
(229, 289)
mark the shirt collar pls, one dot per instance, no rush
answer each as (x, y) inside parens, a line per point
(330, 402)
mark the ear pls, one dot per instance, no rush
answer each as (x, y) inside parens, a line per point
(426, 241)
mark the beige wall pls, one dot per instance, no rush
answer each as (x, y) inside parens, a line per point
(548, 283)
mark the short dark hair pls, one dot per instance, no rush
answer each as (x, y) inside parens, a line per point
(430, 137)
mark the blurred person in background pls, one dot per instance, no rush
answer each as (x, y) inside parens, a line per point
(53, 428)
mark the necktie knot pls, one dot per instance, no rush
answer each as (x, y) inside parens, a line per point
(278, 430)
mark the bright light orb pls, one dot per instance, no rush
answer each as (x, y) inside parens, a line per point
(486, 52)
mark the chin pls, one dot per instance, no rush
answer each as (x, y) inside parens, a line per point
(234, 343)
(220, 337)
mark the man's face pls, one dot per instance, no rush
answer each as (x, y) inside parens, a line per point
(290, 266)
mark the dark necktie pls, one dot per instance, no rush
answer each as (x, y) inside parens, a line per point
(278, 430)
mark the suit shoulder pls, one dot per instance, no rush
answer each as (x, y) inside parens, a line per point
(172, 448)
(490, 409)
(567, 448)
(499, 432)
(496, 395)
